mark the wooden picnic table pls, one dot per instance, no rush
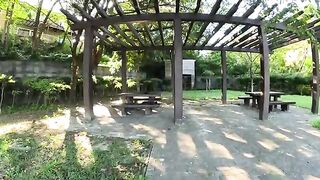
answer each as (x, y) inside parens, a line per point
(133, 98)
(138, 101)
(257, 95)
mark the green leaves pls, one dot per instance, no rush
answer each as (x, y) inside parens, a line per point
(6, 79)
(46, 86)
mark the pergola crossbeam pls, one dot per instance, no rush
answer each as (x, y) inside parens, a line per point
(156, 6)
(192, 22)
(245, 15)
(89, 17)
(230, 13)
(214, 10)
(130, 26)
(145, 26)
(115, 26)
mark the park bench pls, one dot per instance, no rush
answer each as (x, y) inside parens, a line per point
(246, 99)
(150, 100)
(284, 105)
(125, 107)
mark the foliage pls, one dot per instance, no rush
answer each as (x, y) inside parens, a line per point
(40, 154)
(48, 87)
(289, 83)
(316, 123)
(4, 80)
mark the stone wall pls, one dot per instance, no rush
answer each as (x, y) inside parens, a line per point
(23, 69)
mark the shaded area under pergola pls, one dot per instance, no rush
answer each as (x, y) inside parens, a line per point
(126, 30)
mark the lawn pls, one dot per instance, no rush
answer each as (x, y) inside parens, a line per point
(38, 153)
(206, 95)
(302, 101)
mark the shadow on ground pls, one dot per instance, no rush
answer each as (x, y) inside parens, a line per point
(214, 142)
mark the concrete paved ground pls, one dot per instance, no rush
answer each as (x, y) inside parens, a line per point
(218, 141)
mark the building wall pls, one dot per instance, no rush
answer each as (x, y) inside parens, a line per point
(49, 35)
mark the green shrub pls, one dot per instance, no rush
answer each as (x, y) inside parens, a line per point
(49, 88)
(316, 123)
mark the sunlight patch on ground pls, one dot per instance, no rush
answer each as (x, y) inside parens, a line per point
(235, 137)
(269, 168)
(101, 110)
(312, 132)
(234, 173)
(268, 144)
(159, 137)
(16, 127)
(310, 177)
(58, 123)
(156, 164)
(306, 151)
(186, 144)
(84, 153)
(214, 120)
(248, 155)
(218, 150)
(285, 130)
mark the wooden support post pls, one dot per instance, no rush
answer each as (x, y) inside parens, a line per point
(87, 74)
(172, 73)
(224, 77)
(315, 79)
(124, 87)
(178, 106)
(265, 74)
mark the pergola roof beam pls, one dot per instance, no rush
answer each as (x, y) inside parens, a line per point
(214, 10)
(207, 18)
(89, 17)
(177, 6)
(230, 13)
(192, 22)
(115, 26)
(131, 48)
(145, 26)
(130, 26)
(156, 6)
(245, 15)
(244, 29)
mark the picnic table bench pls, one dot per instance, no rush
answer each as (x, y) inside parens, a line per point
(274, 102)
(257, 95)
(138, 101)
(284, 105)
(246, 99)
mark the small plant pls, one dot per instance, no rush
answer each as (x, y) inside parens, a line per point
(316, 123)
(4, 80)
(49, 88)
(14, 94)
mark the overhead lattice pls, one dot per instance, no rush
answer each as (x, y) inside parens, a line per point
(206, 24)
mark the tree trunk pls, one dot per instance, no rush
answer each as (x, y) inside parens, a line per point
(138, 79)
(2, 96)
(36, 27)
(74, 80)
(44, 22)
(7, 23)
(13, 99)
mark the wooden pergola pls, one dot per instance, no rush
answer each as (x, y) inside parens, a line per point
(129, 25)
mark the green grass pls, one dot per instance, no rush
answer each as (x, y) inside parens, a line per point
(302, 101)
(34, 154)
(316, 123)
(206, 95)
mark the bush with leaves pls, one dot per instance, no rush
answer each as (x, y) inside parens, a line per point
(4, 80)
(49, 88)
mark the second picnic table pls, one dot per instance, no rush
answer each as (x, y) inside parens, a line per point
(256, 96)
